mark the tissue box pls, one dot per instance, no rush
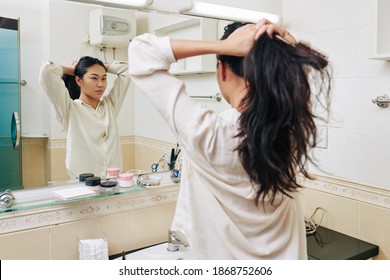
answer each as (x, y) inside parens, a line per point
(93, 249)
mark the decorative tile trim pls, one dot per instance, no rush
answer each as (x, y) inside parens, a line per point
(56, 143)
(127, 139)
(61, 143)
(85, 209)
(155, 144)
(33, 141)
(366, 193)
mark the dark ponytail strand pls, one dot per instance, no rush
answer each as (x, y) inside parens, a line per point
(277, 126)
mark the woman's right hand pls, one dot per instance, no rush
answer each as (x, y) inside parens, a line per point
(240, 42)
(69, 70)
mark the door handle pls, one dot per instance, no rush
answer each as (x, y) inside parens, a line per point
(15, 130)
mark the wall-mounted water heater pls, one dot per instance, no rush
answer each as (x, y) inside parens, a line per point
(112, 28)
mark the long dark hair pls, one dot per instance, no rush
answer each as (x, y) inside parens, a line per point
(277, 124)
(81, 68)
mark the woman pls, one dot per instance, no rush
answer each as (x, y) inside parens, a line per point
(239, 196)
(87, 115)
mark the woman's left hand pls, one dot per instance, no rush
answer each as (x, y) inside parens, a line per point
(265, 26)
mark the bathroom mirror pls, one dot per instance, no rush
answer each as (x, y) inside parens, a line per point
(348, 129)
(55, 37)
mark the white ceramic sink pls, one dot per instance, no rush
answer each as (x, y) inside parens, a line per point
(160, 252)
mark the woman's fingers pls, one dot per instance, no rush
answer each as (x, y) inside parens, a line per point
(265, 26)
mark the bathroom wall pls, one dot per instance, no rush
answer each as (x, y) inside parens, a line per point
(358, 131)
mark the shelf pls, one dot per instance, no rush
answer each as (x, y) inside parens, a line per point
(382, 30)
(34, 198)
(192, 29)
(385, 56)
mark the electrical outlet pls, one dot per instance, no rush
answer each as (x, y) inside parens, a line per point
(322, 136)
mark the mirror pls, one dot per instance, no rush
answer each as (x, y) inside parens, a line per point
(350, 150)
(144, 136)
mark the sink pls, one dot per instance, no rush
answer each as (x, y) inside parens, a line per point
(160, 252)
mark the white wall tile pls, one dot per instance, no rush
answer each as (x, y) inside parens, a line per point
(333, 14)
(361, 155)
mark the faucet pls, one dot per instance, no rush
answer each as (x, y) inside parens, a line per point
(174, 241)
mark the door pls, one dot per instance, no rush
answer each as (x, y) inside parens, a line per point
(10, 132)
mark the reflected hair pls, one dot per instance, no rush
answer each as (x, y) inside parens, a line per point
(277, 123)
(81, 68)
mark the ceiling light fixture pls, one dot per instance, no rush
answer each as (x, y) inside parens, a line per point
(131, 3)
(198, 8)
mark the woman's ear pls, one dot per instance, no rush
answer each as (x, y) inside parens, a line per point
(222, 69)
(78, 80)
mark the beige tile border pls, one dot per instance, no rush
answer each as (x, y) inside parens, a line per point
(152, 143)
(360, 192)
(61, 143)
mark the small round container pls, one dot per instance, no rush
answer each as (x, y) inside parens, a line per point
(93, 182)
(84, 176)
(108, 186)
(112, 172)
(126, 180)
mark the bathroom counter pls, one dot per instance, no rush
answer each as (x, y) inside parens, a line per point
(327, 244)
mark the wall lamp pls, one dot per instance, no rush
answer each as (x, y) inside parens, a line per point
(198, 8)
(123, 3)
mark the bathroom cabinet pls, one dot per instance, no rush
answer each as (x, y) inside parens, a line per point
(382, 30)
(327, 244)
(193, 29)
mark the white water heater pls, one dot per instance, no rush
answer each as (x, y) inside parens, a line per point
(111, 28)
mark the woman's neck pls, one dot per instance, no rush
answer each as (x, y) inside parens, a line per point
(89, 101)
(238, 95)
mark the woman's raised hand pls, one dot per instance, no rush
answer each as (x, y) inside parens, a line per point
(265, 26)
(240, 42)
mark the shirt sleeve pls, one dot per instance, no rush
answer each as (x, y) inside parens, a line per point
(118, 92)
(50, 78)
(197, 128)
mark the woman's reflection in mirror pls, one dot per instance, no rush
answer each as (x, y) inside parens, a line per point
(87, 114)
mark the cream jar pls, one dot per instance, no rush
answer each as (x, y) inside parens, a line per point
(108, 186)
(112, 173)
(84, 176)
(92, 182)
(126, 180)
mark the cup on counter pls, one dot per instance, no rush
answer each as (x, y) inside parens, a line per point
(171, 165)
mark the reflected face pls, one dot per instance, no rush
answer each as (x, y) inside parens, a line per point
(94, 82)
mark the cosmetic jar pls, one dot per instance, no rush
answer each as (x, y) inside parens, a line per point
(92, 182)
(126, 180)
(112, 173)
(109, 186)
(84, 176)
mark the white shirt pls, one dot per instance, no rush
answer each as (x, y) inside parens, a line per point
(215, 210)
(93, 143)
